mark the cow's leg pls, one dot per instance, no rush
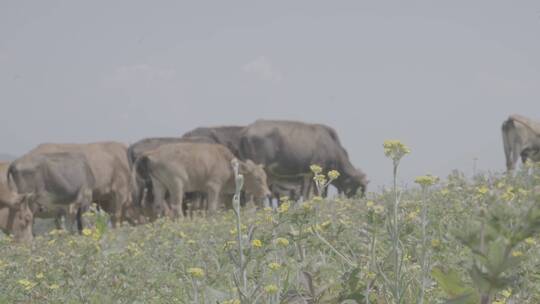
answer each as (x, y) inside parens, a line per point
(213, 198)
(59, 220)
(177, 198)
(158, 204)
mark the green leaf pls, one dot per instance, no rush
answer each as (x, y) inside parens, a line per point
(451, 283)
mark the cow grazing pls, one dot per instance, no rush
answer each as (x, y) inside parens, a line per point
(521, 138)
(58, 181)
(288, 148)
(144, 190)
(175, 169)
(15, 215)
(109, 165)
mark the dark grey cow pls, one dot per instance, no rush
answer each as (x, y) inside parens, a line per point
(229, 136)
(521, 137)
(60, 180)
(175, 169)
(109, 165)
(288, 148)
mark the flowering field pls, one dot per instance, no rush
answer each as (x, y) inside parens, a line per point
(465, 240)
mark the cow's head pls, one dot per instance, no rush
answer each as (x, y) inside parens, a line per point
(530, 153)
(254, 179)
(351, 184)
(20, 217)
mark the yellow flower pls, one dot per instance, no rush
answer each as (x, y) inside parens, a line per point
(282, 242)
(435, 243)
(371, 275)
(395, 149)
(40, 275)
(26, 284)
(325, 224)
(445, 191)
(426, 180)
(191, 242)
(506, 293)
(229, 244)
(271, 288)
(87, 232)
(530, 241)
(307, 206)
(196, 272)
(54, 286)
(317, 199)
(274, 266)
(379, 209)
(267, 209)
(517, 253)
(497, 302)
(256, 243)
(233, 301)
(284, 199)
(412, 215)
(316, 169)
(482, 189)
(333, 174)
(284, 207)
(370, 204)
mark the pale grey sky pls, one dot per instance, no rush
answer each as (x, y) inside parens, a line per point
(439, 75)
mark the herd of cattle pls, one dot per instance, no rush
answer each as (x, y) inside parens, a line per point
(170, 176)
(157, 177)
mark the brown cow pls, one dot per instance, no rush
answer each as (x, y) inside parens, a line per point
(15, 215)
(188, 167)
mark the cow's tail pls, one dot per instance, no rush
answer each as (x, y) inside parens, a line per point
(508, 132)
(138, 171)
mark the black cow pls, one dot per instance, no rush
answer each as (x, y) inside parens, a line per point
(288, 148)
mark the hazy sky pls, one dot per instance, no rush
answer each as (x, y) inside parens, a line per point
(439, 75)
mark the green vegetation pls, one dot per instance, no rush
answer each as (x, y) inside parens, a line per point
(446, 241)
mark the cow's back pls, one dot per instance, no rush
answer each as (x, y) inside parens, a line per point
(195, 161)
(107, 160)
(293, 145)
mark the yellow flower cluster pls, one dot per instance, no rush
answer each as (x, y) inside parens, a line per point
(395, 149)
(316, 169)
(426, 180)
(256, 243)
(482, 190)
(87, 232)
(274, 266)
(196, 272)
(271, 288)
(284, 207)
(232, 301)
(378, 209)
(282, 242)
(26, 284)
(333, 174)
